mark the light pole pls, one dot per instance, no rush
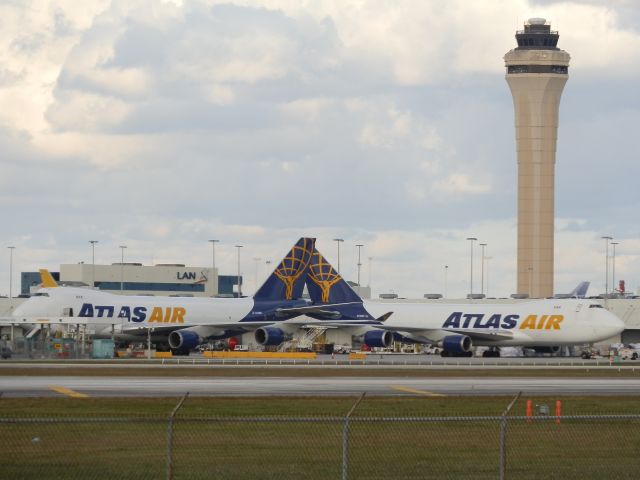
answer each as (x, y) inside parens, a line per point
(482, 269)
(213, 253)
(359, 245)
(93, 262)
(11, 249)
(446, 271)
(122, 247)
(606, 264)
(471, 240)
(257, 265)
(213, 263)
(487, 285)
(338, 241)
(239, 286)
(613, 266)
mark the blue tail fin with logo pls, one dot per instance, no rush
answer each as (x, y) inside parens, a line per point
(287, 280)
(325, 285)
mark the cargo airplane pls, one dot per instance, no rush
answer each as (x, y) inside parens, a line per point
(544, 324)
(179, 323)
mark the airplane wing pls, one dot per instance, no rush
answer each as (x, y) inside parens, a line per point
(474, 333)
(351, 323)
(482, 334)
(325, 309)
(53, 320)
(117, 321)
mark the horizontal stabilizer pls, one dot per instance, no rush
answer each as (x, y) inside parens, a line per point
(383, 318)
(323, 310)
(47, 279)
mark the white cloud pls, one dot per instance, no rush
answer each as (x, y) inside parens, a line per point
(460, 183)
(387, 122)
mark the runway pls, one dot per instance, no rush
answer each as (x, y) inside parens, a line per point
(56, 386)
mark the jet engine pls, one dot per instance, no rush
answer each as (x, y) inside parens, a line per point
(184, 340)
(271, 336)
(374, 337)
(378, 338)
(456, 344)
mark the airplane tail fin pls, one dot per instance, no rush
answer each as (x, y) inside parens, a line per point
(287, 280)
(580, 291)
(325, 285)
(47, 279)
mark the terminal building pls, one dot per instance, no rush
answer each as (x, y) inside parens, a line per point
(137, 279)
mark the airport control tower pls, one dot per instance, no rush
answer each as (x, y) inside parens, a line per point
(536, 73)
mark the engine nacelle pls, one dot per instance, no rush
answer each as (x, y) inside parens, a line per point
(271, 336)
(457, 344)
(184, 339)
(378, 338)
(553, 350)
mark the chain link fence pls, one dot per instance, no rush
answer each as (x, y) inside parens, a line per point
(345, 447)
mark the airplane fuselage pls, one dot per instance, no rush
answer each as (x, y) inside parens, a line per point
(537, 322)
(106, 313)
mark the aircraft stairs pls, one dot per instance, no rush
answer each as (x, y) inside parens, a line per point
(303, 341)
(33, 332)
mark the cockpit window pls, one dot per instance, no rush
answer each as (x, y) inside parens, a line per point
(40, 294)
(595, 305)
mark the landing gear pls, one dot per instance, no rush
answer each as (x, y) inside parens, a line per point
(447, 353)
(492, 352)
(180, 352)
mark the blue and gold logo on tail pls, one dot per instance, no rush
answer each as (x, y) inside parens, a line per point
(294, 265)
(323, 275)
(287, 280)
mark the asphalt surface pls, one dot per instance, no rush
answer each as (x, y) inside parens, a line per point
(40, 386)
(35, 385)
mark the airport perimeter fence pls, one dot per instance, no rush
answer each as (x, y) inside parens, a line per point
(346, 447)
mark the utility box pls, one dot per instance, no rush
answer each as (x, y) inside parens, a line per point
(103, 349)
(61, 347)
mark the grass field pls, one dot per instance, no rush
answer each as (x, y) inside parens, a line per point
(214, 439)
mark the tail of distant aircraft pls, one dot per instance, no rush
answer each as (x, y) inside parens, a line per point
(47, 279)
(580, 291)
(287, 280)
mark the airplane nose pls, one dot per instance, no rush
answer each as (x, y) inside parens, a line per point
(614, 324)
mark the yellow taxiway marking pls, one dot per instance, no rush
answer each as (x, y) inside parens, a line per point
(68, 391)
(417, 392)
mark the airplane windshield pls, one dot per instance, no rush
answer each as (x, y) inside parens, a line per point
(595, 305)
(40, 294)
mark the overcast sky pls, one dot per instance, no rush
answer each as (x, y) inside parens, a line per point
(160, 125)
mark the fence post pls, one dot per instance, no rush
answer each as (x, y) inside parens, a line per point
(503, 448)
(170, 437)
(345, 439)
(502, 473)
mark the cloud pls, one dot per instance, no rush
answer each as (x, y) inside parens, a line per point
(163, 124)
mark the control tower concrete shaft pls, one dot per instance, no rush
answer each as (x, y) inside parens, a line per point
(536, 73)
